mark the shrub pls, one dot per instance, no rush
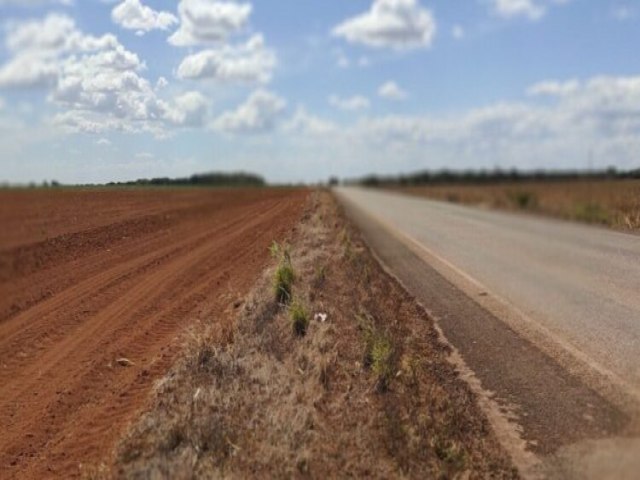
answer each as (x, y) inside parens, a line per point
(299, 318)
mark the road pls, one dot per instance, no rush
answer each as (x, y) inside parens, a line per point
(85, 287)
(567, 297)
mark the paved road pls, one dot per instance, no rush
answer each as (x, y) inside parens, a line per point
(581, 283)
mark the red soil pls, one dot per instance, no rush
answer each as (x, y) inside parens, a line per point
(88, 277)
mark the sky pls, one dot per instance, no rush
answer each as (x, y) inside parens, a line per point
(93, 91)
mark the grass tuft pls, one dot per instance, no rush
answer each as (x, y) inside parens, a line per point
(299, 318)
(591, 213)
(523, 200)
(378, 353)
(284, 275)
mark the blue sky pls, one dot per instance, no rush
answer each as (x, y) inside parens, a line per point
(99, 90)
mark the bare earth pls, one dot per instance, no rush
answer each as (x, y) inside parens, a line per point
(91, 277)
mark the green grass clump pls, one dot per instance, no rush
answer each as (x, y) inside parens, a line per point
(591, 213)
(284, 275)
(378, 353)
(523, 200)
(299, 318)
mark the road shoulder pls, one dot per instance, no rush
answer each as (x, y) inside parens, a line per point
(550, 407)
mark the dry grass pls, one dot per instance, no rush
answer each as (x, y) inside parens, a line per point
(367, 393)
(615, 203)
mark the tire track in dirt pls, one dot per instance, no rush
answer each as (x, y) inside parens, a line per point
(63, 400)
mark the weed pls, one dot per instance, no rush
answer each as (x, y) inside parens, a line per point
(284, 275)
(591, 213)
(274, 249)
(299, 318)
(523, 200)
(381, 353)
(320, 275)
(378, 352)
(450, 453)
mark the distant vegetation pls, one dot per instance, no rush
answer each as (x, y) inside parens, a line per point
(606, 197)
(479, 177)
(216, 179)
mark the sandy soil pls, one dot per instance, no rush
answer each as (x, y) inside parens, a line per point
(91, 277)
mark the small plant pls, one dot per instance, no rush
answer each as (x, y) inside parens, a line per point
(381, 361)
(591, 213)
(523, 200)
(274, 249)
(283, 282)
(378, 352)
(299, 318)
(320, 275)
(450, 453)
(284, 275)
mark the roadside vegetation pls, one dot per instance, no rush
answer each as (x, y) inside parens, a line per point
(342, 376)
(613, 203)
(608, 198)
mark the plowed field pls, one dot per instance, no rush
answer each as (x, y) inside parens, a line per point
(90, 277)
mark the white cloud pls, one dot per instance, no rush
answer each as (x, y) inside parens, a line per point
(188, 109)
(95, 81)
(28, 71)
(53, 35)
(357, 102)
(103, 142)
(35, 3)
(519, 8)
(209, 21)
(391, 91)
(250, 62)
(161, 83)
(457, 32)
(554, 88)
(133, 15)
(307, 124)
(259, 113)
(398, 24)
(530, 9)
(602, 114)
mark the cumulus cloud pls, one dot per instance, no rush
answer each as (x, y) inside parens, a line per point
(250, 62)
(96, 82)
(204, 22)
(398, 24)
(605, 110)
(391, 91)
(305, 123)
(133, 15)
(259, 113)
(356, 102)
(28, 71)
(188, 109)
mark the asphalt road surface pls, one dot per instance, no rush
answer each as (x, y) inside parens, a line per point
(545, 313)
